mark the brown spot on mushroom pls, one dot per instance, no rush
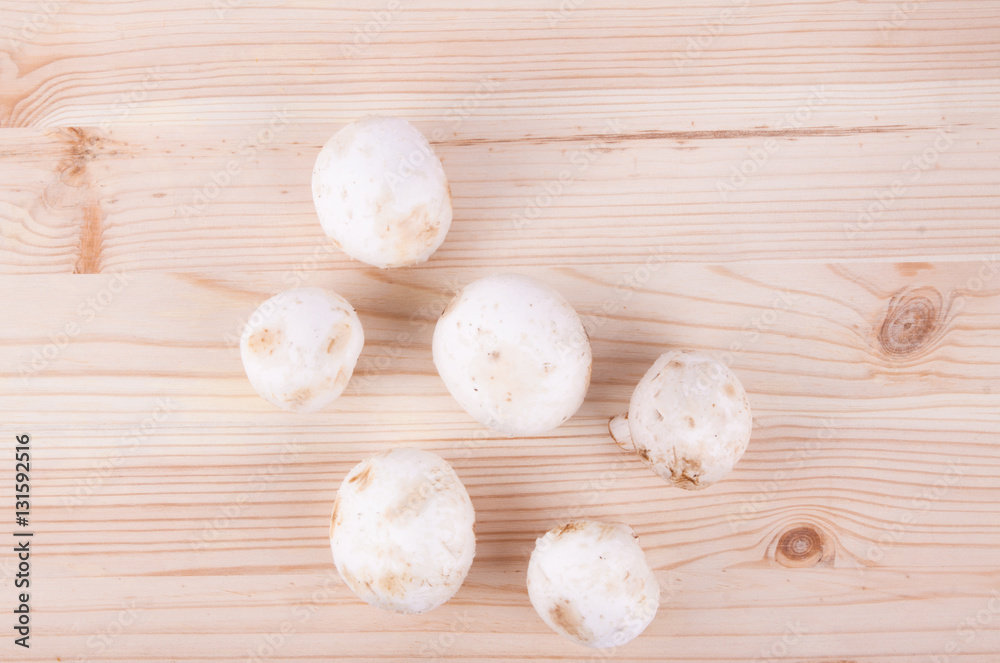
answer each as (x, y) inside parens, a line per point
(569, 620)
(418, 230)
(339, 335)
(412, 501)
(568, 528)
(686, 473)
(392, 584)
(361, 587)
(690, 421)
(495, 355)
(607, 531)
(362, 478)
(911, 322)
(803, 546)
(643, 453)
(730, 390)
(264, 340)
(333, 517)
(428, 231)
(302, 396)
(342, 378)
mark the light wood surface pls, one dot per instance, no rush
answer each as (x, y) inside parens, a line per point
(178, 516)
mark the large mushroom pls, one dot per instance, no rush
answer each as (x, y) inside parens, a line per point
(381, 193)
(514, 354)
(688, 419)
(590, 582)
(402, 530)
(299, 348)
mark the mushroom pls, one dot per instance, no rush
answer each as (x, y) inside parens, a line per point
(299, 348)
(381, 193)
(689, 420)
(590, 582)
(514, 354)
(402, 531)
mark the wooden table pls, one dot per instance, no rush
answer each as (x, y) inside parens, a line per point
(809, 190)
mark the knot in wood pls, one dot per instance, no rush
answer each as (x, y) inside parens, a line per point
(912, 321)
(802, 546)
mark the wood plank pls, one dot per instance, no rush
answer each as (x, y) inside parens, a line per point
(613, 106)
(203, 199)
(234, 60)
(877, 437)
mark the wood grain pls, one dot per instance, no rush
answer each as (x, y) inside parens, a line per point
(214, 524)
(827, 105)
(808, 190)
(207, 199)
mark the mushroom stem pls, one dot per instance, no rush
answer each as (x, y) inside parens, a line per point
(618, 426)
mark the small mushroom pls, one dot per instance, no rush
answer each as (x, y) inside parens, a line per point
(402, 531)
(299, 348)
(689, 420)
(514, 354)
(590, 582)
(381, 193)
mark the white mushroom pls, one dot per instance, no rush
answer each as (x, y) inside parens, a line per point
(299, 348)
(514, 354)
(590, 582)
(689, 420)
(402, 531)
(381, 193)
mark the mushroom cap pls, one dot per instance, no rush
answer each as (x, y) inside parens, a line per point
(590, 582)
(689, 419)
(381, 193)
(514, 354)
(299, 348)
(402, 530)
